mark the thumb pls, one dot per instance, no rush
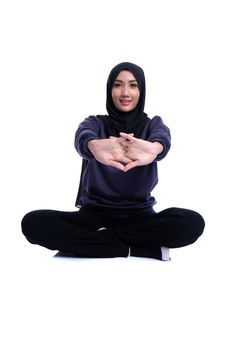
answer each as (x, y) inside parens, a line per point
(131, 165)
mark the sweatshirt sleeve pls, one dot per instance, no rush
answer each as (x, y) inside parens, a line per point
(161, 133)
(87, 130)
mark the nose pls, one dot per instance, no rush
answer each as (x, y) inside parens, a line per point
(125, 91)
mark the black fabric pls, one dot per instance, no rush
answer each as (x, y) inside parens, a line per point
(77, 232)
(129, 122)
(80, 188)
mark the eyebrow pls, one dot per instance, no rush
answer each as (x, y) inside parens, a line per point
(130, 81)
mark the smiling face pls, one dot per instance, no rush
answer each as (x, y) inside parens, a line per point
(125, 91)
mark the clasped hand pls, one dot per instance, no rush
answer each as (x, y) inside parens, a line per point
(124, 152)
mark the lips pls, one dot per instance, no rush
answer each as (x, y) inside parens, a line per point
(125, 102)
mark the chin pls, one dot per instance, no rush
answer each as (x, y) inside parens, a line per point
(127, 109)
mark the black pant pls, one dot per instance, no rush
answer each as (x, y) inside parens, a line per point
(144, 231)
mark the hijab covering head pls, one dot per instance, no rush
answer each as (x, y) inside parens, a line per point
(132, 121)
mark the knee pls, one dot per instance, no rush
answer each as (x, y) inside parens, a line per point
(27, 221)
(193, 226)
(190, 223)
(29, 224)
(197, 223)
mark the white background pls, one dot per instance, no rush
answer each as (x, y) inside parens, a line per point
(55, 59)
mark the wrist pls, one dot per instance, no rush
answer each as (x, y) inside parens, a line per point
(91, 145)
(158, 147)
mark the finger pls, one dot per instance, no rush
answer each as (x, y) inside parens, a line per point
(117, 165)
(125, 160)
(130, 134)
(131, 165)
(125, 143)
(121, 139)
(121, 158)
(127, 136)
(116, 140)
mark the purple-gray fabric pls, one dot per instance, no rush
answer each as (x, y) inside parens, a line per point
(107, 186)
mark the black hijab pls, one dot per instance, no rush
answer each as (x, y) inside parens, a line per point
(129, 122)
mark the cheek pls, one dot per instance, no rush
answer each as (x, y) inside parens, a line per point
(114, 99)
(136, 96)
(113, 95)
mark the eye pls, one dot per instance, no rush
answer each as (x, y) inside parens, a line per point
(116, 84)
(134, 85)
